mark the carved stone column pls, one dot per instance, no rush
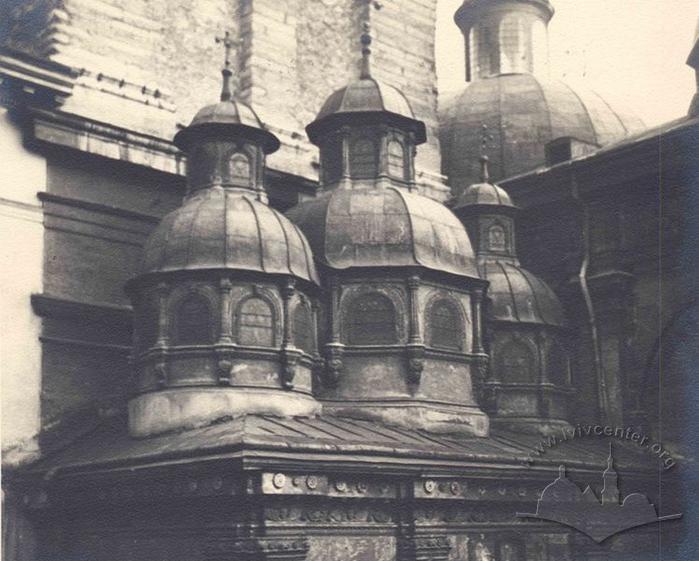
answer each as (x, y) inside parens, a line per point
(476, 314)
(290, 355)
(416, 347)
(256, 549)
(163, 340)
(423, 548)
(345, 139)
(225, 339)
(334, 350)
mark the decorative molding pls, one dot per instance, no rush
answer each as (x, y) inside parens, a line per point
(98, 207)
(47, 306)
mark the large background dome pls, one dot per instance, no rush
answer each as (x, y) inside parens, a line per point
(523, 113)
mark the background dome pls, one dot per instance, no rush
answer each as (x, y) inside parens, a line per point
(522, 113)
(386, 227)
(224, 229)
(519, 296)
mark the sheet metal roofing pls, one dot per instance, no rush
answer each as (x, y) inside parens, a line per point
(384, 227)
(221, 228)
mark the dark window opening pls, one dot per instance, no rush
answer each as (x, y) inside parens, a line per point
(517, 363)
(302, 328)
(372, 321)
(445, 322)
(363, 159)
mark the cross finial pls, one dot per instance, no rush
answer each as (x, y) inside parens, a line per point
(365, 40)
(228, 44)
(485, 138)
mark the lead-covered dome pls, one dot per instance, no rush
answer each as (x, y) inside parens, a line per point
(523, 113)
(223, 229)
(518, 296)
(384, 227)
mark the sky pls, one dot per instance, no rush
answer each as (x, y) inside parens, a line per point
(633, 52)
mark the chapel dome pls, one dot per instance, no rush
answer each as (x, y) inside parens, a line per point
(363, 99)
(522, 113)
(384, 227)
(221, 228)
(518, 296)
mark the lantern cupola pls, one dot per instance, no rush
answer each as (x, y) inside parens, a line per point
(527, 385)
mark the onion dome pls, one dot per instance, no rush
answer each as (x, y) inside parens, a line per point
(388, 227)
(516, 295)
(483, 194)
(223, 229)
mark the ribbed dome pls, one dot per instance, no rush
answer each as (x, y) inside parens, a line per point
(522, 113)
(519, 296)
(366, 95)
(384, 227)
(225, 229)
(228, 116)
(483, 194)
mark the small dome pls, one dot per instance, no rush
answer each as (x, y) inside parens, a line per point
(384, 227)
(224, 229)
(523, 114)
(227, 116)
(366, 95)
(518, 296)
(486, 194)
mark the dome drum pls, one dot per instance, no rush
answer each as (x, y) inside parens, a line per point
(400, 343)
(230, 335)
(529, 384)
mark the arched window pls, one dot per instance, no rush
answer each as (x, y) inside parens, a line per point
(371, 321)
(302, 328)
(516, 363)
(396, 159)
(557, 365)
(445, 326)
(363, 158)
(497, 240)
(240, 170)
(255, 322)
(193, 321)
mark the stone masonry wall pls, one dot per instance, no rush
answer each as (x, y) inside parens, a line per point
(148, 66)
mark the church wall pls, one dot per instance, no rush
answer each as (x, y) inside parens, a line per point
(139, 61)
(23, 175)
(97, 215)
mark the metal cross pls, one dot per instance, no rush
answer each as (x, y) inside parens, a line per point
(228, 45)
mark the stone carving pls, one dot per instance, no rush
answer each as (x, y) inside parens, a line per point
(333, 363)
(290, 358)
(423, 548)
(256, 549)
(416, 363)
